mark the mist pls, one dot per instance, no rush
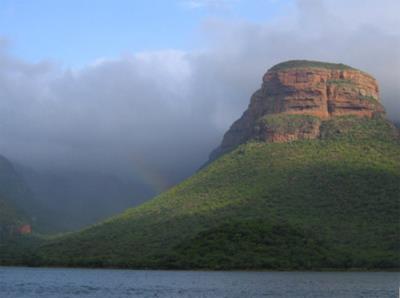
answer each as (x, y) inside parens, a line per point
(155, 116)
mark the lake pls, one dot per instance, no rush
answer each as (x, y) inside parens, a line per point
(44, 282)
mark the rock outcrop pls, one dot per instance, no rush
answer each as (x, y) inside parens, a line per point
(296, 96)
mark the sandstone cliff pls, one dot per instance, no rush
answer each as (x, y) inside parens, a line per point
(297, 96)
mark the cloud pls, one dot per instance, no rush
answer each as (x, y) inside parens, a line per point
(159, 114)
(316, 30)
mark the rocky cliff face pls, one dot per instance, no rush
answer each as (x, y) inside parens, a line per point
(296, 96)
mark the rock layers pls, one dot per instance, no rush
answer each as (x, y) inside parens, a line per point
(297, 96)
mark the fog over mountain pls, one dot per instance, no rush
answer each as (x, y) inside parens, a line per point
(156, 116)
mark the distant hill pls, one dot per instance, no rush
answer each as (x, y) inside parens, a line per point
(12, 184)
(10, 216)
(307, 178)
(14, 197)
(77, 198)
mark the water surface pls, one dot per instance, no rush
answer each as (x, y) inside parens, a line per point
(43, 282)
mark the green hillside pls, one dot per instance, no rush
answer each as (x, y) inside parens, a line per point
(331, 202)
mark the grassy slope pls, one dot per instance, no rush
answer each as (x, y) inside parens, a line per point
(308, 204)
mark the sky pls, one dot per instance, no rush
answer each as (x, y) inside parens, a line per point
(147, 88)
(77, 32)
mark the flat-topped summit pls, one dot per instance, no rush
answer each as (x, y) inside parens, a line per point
(318, 88)
(308, 64)
(297, 96)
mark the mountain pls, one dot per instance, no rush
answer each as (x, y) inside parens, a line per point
(77, 198)
(296, 97)
(14, 200)
(12, 220)
(307, 178)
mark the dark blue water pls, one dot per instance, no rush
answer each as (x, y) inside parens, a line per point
(31, 282)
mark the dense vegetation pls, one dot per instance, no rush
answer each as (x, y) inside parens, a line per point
(289, 124)
(332, 202)
(310, 63)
